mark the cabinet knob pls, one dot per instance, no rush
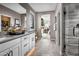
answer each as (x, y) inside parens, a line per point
(25, 45)
(25, 38)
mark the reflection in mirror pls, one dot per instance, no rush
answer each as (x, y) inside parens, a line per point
(24, 21)
(31, 21)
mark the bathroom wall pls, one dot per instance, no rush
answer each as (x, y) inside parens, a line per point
(10, 13)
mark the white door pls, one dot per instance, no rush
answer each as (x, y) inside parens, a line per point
(16, 50)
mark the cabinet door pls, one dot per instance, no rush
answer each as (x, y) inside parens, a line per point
(5, 53)
(16, 50)
(25, 44)
(32, 41)
(25, 47)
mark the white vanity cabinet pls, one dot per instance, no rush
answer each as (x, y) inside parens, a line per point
(11, 48)
(19, 46)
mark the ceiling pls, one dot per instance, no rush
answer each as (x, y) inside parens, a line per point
(42, 7)
(38, 7)
(15, 7)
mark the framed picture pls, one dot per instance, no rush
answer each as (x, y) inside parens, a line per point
(17, 22)
(5, 22)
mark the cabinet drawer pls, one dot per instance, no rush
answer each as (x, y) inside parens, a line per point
(25, 41)
(25, 38)
(32, 35)
(32, 41)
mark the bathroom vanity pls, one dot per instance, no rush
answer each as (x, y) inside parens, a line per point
(17, 45)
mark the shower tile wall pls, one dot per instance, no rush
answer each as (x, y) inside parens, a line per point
(71, 19)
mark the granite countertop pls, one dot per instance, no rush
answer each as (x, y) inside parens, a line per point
(7, 38)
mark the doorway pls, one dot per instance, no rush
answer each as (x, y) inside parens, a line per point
(45, 23)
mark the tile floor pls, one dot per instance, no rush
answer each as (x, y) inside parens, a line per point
(46, 47)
